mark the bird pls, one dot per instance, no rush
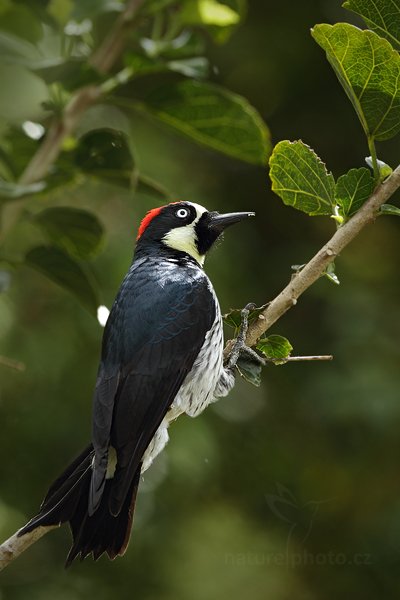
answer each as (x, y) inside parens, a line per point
(161, 356)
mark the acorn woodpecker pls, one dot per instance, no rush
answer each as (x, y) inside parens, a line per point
(162, 355)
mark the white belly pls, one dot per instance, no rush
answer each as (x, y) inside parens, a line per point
(197, 390)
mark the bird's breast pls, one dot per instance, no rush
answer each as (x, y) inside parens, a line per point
(198, 388)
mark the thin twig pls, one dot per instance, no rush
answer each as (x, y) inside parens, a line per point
(304, 278)
(316, 267)
(299, 358)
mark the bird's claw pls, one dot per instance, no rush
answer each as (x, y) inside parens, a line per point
(252, 355)
(239, 346)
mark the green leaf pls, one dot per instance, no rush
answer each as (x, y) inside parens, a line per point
(153, 6)
(90, 9)
(22, 96)
(275, 347)
(196, 67)
(66, 272)
(382, 16)
(300, 178)
(149, 188)
(16, 50)
(143, 65)
(249, 370)
(353, 189)
(97, 116)
(369, 70)
(219, 18)
(331, 274)
(214, 117)
(389, 209)
(384, 169)
(187, 44)
(105, 153)
(159, 55)
(21, 21)
(77, 231)
(60, 10)
(234, 317)
(12, 191)
(208, 12)
(44, 54)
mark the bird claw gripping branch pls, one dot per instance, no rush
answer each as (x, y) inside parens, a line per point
(239, 347)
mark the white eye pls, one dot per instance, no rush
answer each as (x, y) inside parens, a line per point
(182, 213)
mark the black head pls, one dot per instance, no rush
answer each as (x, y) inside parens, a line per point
(185, 227)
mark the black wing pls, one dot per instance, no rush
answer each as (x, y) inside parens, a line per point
(153, 336)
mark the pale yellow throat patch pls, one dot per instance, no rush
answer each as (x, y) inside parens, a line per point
(183, 238)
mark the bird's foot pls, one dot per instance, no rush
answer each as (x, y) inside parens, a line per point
(239, 347)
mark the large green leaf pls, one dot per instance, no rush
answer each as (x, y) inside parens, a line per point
(45, 53)
(15, 50)
(369, 70)
(105, 153)
(147, 187)
(382, 16)
(66, 272)
(19, 19)
(22, 94)
(77, 231)
(353, 189)
(249, 369)
(300, 178)
(213, 116)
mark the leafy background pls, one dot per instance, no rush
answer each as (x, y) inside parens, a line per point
(290, 490)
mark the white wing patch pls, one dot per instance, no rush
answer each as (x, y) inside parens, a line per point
(184, 238)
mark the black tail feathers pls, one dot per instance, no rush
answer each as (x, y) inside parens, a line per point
(67, 500)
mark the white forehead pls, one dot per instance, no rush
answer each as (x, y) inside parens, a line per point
(200, 210)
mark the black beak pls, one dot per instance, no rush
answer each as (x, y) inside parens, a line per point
(220, 222)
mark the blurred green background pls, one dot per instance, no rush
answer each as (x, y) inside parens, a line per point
(289, 491)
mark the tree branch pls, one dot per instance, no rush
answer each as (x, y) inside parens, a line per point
(103, 59)
(14, 546)
(61, 128)
(313, 270)
(324, 357)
